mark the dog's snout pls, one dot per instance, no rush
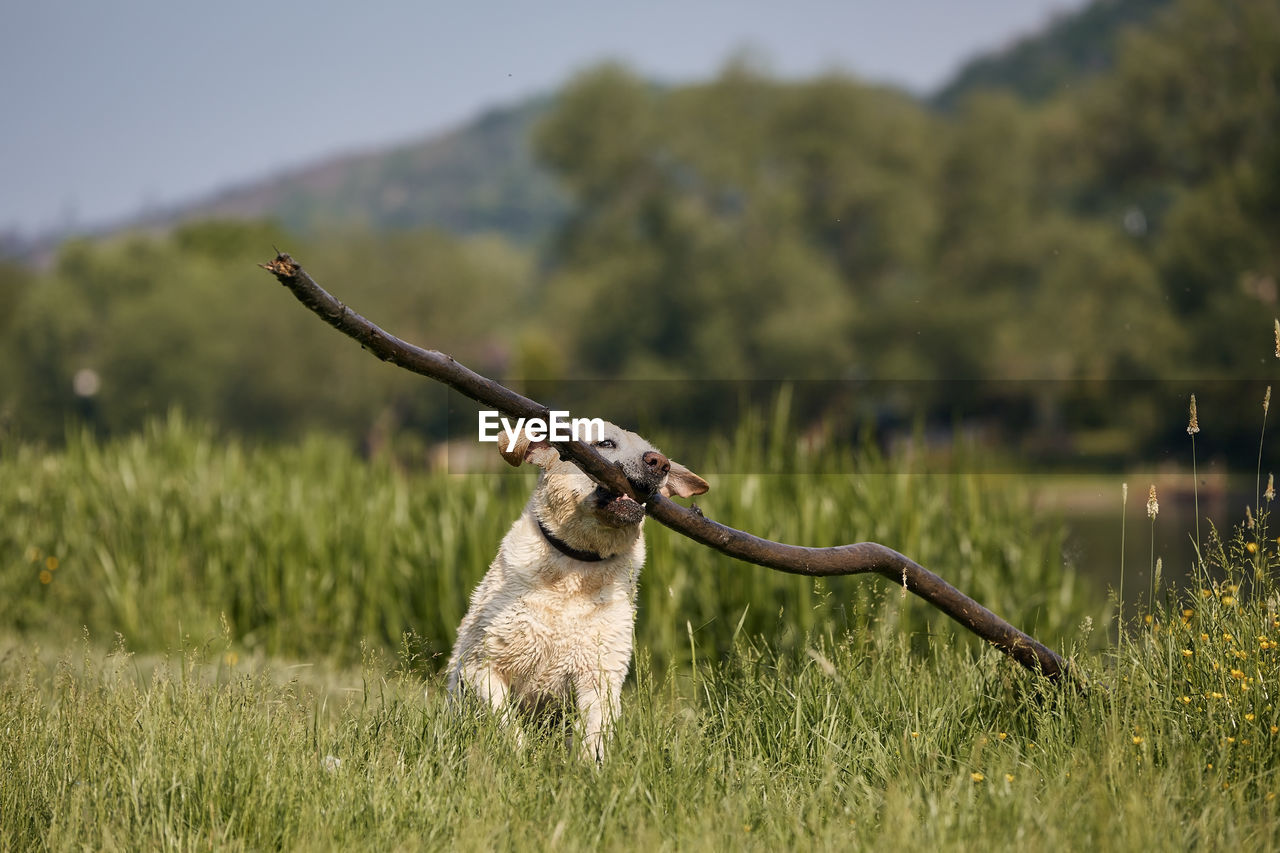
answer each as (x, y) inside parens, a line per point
(656, 464)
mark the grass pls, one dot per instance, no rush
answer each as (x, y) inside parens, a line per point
(281, 611)
(307, 551)
(854, 743)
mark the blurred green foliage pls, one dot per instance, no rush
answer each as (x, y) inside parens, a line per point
(742, 228)
(1124, 228)
(189, 320)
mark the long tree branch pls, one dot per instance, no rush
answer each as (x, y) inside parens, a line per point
(859, 558)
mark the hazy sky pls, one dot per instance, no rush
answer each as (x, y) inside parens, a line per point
(112, 106)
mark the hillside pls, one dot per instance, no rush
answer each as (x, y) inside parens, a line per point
(1073, 46)
(482, 177)
(478, 178)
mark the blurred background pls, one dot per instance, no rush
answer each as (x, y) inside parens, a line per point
(1025, 229)
(1036, 218)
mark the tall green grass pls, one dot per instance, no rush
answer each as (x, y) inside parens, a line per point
(310, 551)
(304, 550)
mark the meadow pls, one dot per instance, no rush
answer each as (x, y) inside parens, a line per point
(209, 643)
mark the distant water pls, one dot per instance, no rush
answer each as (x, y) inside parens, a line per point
(1093, 540)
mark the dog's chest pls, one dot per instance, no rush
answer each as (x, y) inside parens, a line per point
(568, 626)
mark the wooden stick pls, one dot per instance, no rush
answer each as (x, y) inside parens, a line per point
(858, 558)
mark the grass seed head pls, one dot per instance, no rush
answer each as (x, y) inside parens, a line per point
(1153, 505)
(1270, 493)
(1193, 424)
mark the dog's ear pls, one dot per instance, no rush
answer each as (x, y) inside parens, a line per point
(683, 483)
(523, 450)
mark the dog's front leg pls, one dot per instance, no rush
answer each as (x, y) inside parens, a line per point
(492, 688)
(598, 699)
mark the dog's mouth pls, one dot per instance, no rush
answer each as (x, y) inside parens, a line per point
(617, 510)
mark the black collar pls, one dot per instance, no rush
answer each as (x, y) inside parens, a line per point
(567, 549)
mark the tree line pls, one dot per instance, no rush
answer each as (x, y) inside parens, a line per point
(740, 230)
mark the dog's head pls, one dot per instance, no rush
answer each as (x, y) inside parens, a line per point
(591, 517)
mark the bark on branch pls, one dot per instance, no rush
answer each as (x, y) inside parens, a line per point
(858, 558)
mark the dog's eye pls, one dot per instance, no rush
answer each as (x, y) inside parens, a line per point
(606, 443)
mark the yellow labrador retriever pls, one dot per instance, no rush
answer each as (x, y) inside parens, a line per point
(551, 623)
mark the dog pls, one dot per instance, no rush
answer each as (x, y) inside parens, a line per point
(550, 625)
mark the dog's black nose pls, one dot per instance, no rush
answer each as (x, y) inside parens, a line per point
(656, 463)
